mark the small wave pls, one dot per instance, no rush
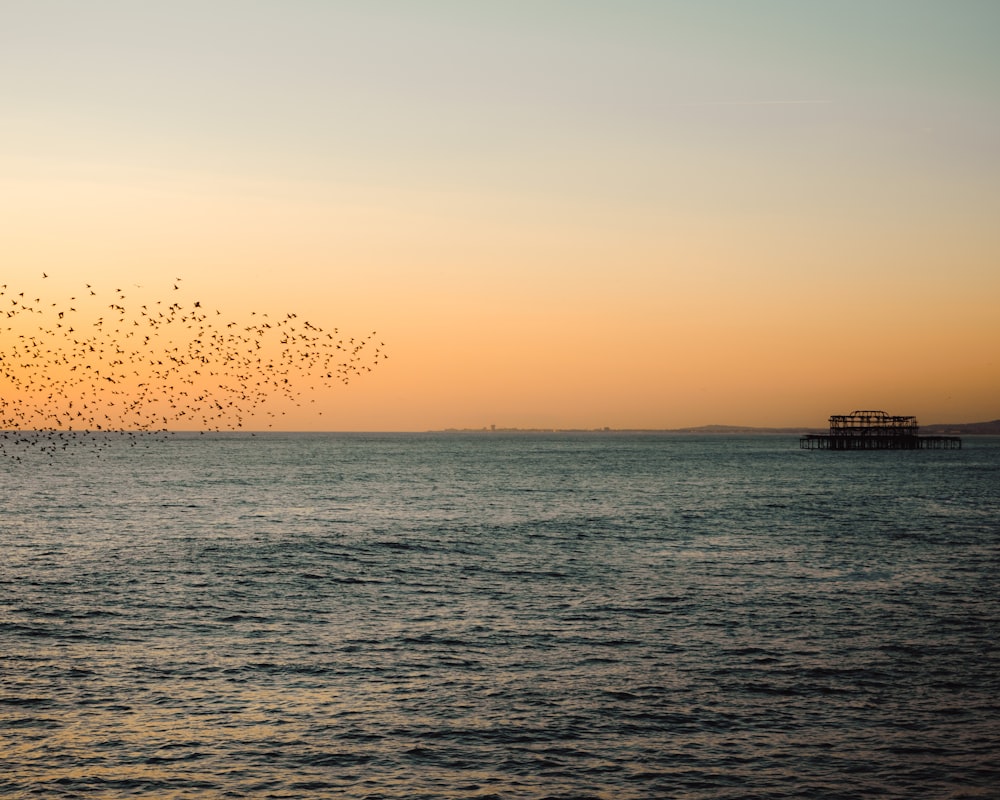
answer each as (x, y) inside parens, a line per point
(194, 756)
(26, 702)
(243, 618)
(334, 759)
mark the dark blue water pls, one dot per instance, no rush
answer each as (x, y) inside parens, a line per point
(499, 616)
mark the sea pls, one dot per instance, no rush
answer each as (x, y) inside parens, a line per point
(498, 615)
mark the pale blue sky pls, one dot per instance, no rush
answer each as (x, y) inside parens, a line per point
(227, 84)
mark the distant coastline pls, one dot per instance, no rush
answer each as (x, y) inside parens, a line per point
(938, 429)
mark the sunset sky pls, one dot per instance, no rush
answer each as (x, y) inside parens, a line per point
(556, 213)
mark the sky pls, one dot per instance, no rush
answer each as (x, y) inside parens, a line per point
(555, 214)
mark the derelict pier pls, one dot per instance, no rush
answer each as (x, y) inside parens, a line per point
(876, 430)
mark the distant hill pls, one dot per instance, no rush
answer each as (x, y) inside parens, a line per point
(747, 429)
(963, 429)
(951, 429)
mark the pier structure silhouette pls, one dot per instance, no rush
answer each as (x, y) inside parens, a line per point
(876, 430)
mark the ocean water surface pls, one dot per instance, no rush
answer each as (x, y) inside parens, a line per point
(498, 615)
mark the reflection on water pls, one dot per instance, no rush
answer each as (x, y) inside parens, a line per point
(500, 616)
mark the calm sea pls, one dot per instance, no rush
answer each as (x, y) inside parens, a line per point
(499, 616)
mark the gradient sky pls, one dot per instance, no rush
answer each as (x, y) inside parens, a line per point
(558, 213)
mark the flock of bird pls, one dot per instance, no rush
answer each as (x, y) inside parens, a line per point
(100, 365)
